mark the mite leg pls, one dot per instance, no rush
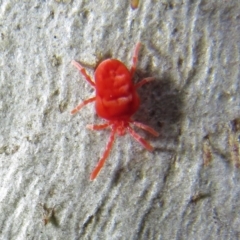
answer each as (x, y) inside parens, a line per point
(98, 127)
(77, 108)
(141, 140)
(105, 155)
(143, 81)
(83, 72)
(146, 128)
(135, 59)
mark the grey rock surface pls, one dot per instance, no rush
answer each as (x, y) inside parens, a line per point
(192, 48)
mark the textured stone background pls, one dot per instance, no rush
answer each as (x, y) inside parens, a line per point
(192, 48)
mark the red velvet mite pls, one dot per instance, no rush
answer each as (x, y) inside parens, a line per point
(116, 100)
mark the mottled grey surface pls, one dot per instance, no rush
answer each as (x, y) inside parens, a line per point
(192, 48)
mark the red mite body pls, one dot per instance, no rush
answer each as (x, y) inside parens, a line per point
(116, 96)
(116, 100)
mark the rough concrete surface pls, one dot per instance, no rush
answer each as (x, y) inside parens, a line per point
(188, 188)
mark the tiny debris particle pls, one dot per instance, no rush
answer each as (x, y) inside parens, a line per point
(207, 152)
(233, 141)
(134, 4)
(48, 215)
(199, 196)
(56, 61)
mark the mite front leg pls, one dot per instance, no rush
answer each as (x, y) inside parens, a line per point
(83, 72)
(135, 59)
(77, 108)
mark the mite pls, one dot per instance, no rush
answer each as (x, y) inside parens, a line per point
(116, 100)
